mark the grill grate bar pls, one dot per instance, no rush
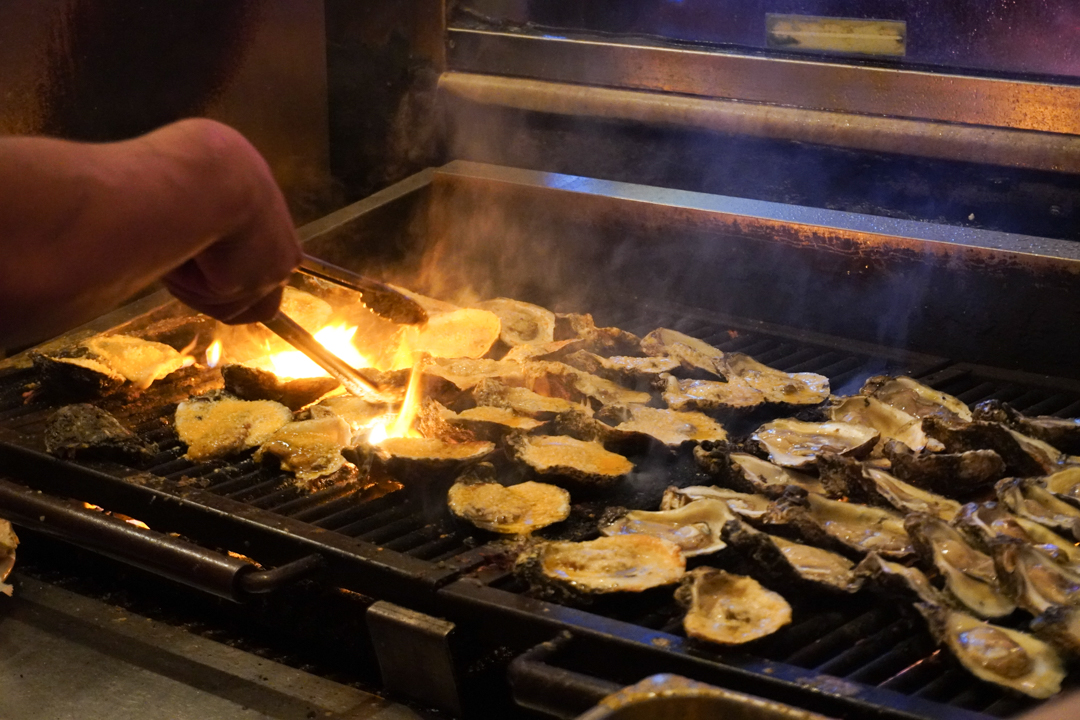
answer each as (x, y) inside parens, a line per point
(826, 647)
(867, 648)
(442, 547)
(286, 494)
(391, 530)
(373, 523)
(903, 655)
(254, 493)
(415, 539)
(307, 506)
(352, 514)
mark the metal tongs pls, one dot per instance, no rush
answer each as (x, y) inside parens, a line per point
(380, 298)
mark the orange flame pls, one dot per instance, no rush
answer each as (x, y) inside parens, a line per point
(400, 425)
(291, 364)
(213, 354)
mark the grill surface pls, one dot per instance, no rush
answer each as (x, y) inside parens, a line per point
(859, 640)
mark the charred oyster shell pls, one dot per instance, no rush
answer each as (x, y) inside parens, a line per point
(891, 422)
(790, 564)
(668, 427)
(1062, 433)
(492, 423)
(524, 401)
(695, 527)
(88, 432)
(215, 425)
(581, 461)
(982, 522)
(776, 386)
(969, 575)
(629, 371)
(619, 563)
(433, 453)
(358, 412)
(796, 444)
(871, 484)
(1005, 657)
(1027, 498)
(76, 377)
(521, 323)
(692, 353)
(141, 362)
(1022, 455)
(458, 333)
(951, 474)
(916, 399)
(848, 528)
(509, 509)
(1032, 578)
(249, 383)
(729, 609)
(606, 341)
(752, 474)
(896, 580)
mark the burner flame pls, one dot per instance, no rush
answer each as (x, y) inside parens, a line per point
(213, 354)
(292, 364)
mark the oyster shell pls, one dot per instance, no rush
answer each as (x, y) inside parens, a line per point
(467, 373)
(459, 333)
(629, 371)
(894, 579)
(556, 379)
(140, 362)
(908, 498)
(1022, 455)
(695, 527)
(729, 609)
(215, 425)
(916, 399)
(521, 323)
(1032, 578)
(982, 522)
(509, 509)
(619, 563)
(999, 655)
(668, 427)
(492, 423)
(8, 543)
(1059, 625)
(848, 528)
(796, 444)
(789, 564)
(891, 422)
(88, 432)
(751, 473)
(710, 395)
(432, 452)
(777, 387)
(1062, 433)
(1027, 498)
(310, 449)
(578, 460)
(1065, 484)
(969, 574)
(692, 353)
(523, 401)
(951, 474)
(606, 341)
(745, 505)
(249, 383)
(76, 377)
(356, 411)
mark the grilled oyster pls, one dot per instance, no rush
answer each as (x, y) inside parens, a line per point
(509, 509)
(556, 379)
(751, 473)
(891, 422)
(521, 323)
(141, 362)
(606, 341)
(729, 609)
(619, 563)
(969, 574)
(1065, 484)
(357, 412)
(982, 522)
(76, 376)
(8, 543)
(309, 449)
(1059, 625)
(466, 373)
(88, 432)
(790, 564)
(999, 655)
(460, 333)
(745, 505)
(1031, 577)
(796, 444)
(522, 400)
(492, 423)
(577, 460)
(1022, 455)
(870, 484)
(249, 383)
(692, 353)
(951, 474)
(847, 528)
(668, 427)
(777, 387)
(215, 425)
(694, 527)
(1029, 499)
(629, 371)
(432, 453)
(898, 580)
(710, 395)
(916, 399)
(1062, 433)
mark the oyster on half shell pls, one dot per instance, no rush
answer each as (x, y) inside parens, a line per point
(790, 564)
(509, 509)
(729, 609)
(764, 477)
(845, 477)
(892, 422)
(619, 563)
(982, 522)
(777, 386)
(748, 506)
(915, 398)
(1032, 578)
(582, 461)
(692, 353)
(999, 655)
(1065, 484)
(951, 474)
(969, 574)
(216, 425)
(848, 528)
(796, 444)
(668, 427)
(1023, 455)
(695, 527)
(1062, 433)
(1029, 499)
(894, 579)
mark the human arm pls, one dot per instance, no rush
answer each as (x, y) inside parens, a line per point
(85, 226)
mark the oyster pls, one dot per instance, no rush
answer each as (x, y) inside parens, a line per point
(777, 387)
(466, 373)
(1027, 498)
(1032, 578)
(249, 383)
(432, 452)
(729, 609)
(88, 432)
(789, 563)
(751, 473)
(907, 498)
(606, 341)
(460, 333)
(695, 527)
(141, 362)
(1062, 433)
(308, 310)
(692, 353)
(8, 543)
(668, 427)
(619, 563)
(892, 422)
(898, 580)
(982, 522)
(796, 444)
(746, 505)
(629, 371)
(1065, 484)
(916, 399)
(522, 400)
(76, 377)
(1059, 625)
(951, 474)
(848, 528)
(710, 395)
(556, 379)
(969, 574)
(995, 654)
(358, 412)
(578, 460)
(310, 449)
(216, 425)
(492, 423)
(1022, 455)
(521, 323)
(510, 509)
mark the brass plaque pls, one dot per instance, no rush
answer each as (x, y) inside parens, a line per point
(838, 35)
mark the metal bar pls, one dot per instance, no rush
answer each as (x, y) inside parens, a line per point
(803, 83)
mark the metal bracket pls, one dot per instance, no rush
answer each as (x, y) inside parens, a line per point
(415, 659)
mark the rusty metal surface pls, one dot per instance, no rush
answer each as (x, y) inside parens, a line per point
(1047, 107)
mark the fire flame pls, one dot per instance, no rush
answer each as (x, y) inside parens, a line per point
(213, 354)
(291, 364)
(400, 425)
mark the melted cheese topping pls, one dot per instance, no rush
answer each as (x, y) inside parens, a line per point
(309, 449)
(517, 509)
(557, 453)
(216, 428)
(139, 361)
